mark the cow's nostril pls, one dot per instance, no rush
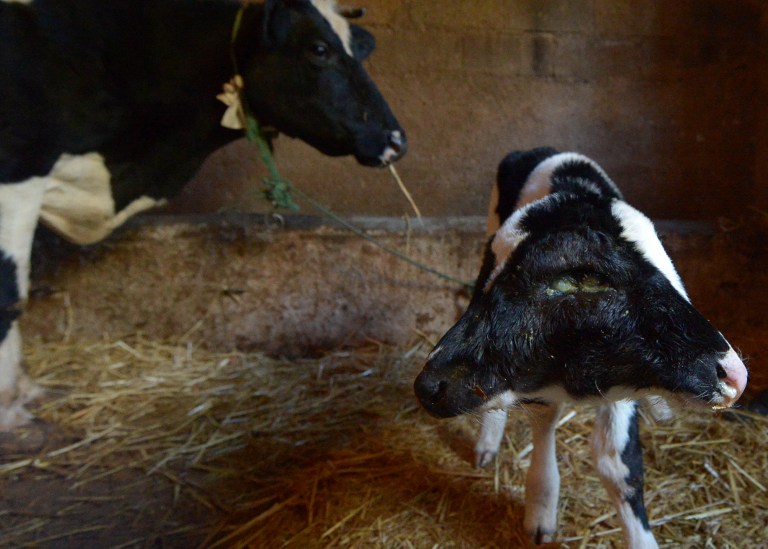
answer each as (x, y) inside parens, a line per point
(720, 372)
(396, 141)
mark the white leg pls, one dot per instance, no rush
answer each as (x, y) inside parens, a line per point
(659, 408)
(19, 210)
(542, 485)
(618, 457)
(491, 433)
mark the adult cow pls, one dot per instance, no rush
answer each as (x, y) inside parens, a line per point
(109, 106)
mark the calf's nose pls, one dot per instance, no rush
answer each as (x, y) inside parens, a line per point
(428, 388)
(733, 378)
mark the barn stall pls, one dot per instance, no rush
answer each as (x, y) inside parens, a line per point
(215, 380)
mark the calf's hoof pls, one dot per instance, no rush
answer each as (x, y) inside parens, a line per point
(541, 536)
(484, 457)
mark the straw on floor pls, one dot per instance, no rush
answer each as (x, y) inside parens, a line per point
(167, 444)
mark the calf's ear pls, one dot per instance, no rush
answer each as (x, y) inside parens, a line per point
(363, 42)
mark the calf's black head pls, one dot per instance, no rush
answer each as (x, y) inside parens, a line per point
(301, 63)
(576, 299)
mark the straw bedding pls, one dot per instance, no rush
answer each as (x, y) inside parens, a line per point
(168, 445)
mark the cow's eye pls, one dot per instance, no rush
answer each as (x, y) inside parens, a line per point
(320, 50)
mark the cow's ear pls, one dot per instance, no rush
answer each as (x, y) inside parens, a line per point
(363, 42)
(276, 22)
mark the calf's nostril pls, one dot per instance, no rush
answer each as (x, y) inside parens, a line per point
(430, 389)
(720, 372)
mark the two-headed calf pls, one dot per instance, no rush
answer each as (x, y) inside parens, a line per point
(576, 301)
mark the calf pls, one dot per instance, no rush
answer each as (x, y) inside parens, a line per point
(107, 107)
(576, 301)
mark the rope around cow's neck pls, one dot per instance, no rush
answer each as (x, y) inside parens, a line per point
(280, 190)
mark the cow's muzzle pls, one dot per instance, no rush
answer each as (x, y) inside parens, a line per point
(397, 145)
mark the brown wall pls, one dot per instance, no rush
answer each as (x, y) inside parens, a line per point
(668, 95)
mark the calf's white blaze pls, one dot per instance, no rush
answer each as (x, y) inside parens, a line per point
(340, 26)
(638, 229)
(539, 182)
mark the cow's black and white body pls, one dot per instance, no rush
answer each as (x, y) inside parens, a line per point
(576, 301)
(107, 107)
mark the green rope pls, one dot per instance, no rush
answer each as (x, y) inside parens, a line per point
(362, 234)
(279, 192)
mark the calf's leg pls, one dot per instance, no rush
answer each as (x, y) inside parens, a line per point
(618, 457)
(491, 433)
(19, 210)
(542, 485)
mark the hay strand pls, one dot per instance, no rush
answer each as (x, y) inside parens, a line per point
(404, 189)
(167, 441)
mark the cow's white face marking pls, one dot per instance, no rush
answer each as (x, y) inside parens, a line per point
(340, 26)
(638, 229)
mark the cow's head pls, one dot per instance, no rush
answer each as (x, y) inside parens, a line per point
(577, 299)
(301, 63)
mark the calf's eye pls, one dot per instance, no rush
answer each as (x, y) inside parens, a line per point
(566, 285)
(563, 285)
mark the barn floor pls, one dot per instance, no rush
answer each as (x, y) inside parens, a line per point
(143, 444)
(178, 440)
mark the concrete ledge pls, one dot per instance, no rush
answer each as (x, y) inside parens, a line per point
(230, 282)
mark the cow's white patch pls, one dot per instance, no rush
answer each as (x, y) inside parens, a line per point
(539, 182)
(78, 201)
(17, 1)
(16, 389)
(19, 210)
(340, 26)
(637, 228)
